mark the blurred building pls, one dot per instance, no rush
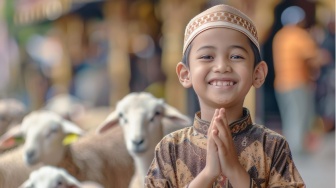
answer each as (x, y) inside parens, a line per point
(101, 50)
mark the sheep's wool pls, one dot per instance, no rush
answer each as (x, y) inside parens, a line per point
(220, 16)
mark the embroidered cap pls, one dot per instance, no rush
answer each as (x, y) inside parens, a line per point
(220, 16)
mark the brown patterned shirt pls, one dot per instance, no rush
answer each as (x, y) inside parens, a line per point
(181, 156)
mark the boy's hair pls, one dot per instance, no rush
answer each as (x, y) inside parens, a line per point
(220, 16)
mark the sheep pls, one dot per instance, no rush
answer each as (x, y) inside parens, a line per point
(92, 117)
(77, 111)
(45, 130)
(53, 177)
(66, 105)
(13, 170)
(8, 141)
(141, 116)
(107, 163)
(99, 158)
(12, 112)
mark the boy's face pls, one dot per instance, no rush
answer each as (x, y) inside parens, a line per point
(221, 67)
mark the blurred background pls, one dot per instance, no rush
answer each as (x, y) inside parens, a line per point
(100, 50)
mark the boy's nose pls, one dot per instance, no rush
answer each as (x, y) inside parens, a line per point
(222, 67)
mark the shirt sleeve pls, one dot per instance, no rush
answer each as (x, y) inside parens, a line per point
(283, 170)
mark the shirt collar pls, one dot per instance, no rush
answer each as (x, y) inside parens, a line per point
(236, 127)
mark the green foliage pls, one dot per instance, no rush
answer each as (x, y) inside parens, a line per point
(21, 32)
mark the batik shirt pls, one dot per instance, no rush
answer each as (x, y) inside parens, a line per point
(181, 156)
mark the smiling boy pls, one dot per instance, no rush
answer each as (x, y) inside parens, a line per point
(223, 148)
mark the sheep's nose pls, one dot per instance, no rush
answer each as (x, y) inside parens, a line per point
(30, 154)
(138, 142)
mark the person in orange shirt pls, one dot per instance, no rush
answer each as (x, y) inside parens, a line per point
(296, 67)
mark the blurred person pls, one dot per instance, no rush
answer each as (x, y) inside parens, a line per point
(9, 63)
(91, 79)
(296, 67)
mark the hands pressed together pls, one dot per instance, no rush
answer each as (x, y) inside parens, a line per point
(221, 154)
(222, 157)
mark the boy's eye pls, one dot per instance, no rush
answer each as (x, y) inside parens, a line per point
(236, 57)
(206, 57)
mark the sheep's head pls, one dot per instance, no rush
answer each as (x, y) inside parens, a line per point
(66, 105)
(44, 133)
(48, 176)
(140, 115)
(11, 112)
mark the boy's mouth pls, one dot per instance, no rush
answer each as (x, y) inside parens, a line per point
(221, 83)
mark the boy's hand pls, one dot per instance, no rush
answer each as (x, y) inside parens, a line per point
(212, 167)
(226, 149)
(221, 156)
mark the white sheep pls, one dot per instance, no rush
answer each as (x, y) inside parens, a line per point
(99, 158)
(12, 112)
(66, 105)
(13, 170)
(8, 141)
(141, 115)
(44, 132)
(77, 111)
(53, 177)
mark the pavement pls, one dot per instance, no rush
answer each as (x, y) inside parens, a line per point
(318, 168)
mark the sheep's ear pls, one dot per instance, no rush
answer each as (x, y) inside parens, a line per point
(176, 116)
(70, 128)
(11, 138)
(109, 122)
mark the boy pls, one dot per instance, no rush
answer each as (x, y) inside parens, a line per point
(221, 61)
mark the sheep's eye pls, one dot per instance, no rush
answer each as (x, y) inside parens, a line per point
(52, 131)
(121, 116)
(156, 114)
(48, 134)
(59, 183)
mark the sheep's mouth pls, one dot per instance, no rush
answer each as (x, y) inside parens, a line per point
(138, 146)
(30, 160)
(139, 150)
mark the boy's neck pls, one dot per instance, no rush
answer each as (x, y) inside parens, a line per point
(232, 114)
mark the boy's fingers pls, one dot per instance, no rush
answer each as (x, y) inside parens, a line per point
(220, 122)
(219, 143)
(221, 129)
(212, 121)
(211, 142)
(225, 122)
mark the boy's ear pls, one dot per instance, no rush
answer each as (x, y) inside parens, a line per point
(183, 74)
(260, 73)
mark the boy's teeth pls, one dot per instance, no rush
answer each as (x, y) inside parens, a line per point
(222, 83)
